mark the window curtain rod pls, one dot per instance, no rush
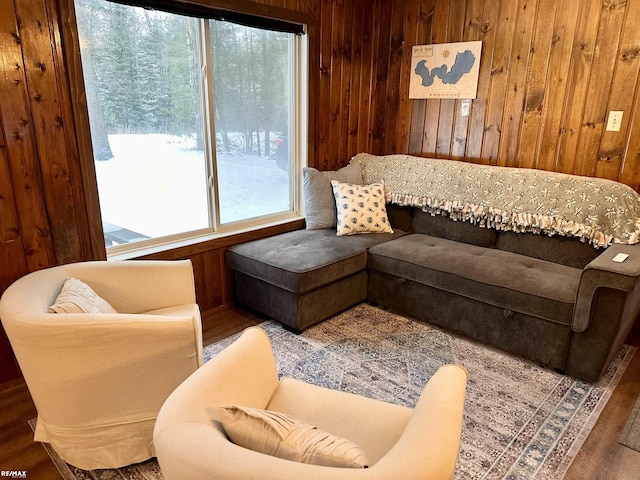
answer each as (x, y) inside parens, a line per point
(211, 12)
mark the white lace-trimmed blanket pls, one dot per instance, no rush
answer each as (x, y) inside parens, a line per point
(596, 210)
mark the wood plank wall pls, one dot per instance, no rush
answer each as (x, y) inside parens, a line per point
(550, 72)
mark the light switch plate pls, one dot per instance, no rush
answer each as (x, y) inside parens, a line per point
(615, 119)
(465, 107)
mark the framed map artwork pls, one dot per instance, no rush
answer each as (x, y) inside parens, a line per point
(445, 70)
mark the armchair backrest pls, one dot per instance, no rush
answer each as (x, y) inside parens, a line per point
(132, 286)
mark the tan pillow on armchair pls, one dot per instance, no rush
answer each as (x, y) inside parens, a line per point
(286, 437)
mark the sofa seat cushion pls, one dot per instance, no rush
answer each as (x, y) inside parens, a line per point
(303, 260)
(504, 279)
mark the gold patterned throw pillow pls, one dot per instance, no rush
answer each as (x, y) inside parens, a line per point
(286, 437)
(361, 208)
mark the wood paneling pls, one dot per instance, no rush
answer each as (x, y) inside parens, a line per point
(549, 74)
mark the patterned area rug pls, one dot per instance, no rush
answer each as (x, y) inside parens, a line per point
(521, 421)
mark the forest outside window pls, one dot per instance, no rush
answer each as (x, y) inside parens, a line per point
(195, 123)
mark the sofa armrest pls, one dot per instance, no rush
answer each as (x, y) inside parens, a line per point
(604, 272)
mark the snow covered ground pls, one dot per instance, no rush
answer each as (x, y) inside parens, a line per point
(156, 185)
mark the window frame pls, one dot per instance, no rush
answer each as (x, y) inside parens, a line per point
(217, 234)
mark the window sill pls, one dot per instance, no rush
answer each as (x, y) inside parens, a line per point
(203, 243)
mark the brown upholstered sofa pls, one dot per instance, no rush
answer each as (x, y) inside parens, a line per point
(545, 288)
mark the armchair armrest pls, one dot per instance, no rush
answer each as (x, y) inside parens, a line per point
(604, 272)
(120, 364)
(432, 436)
(244, 373)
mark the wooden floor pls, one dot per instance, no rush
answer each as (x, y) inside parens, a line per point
(601, 457)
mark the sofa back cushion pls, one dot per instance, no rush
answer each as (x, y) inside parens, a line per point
(444, 227)
(399, 216)
(569, 251)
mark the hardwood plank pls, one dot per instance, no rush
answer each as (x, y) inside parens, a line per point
(537, 72)
(207, 269)
(625, 80)
(84, 209)
(18, 451)
(366, 80)
(578, 84)
(380, 79)
(419, 107)
(335, 72)
(593, 121)
(49, 127)
(630, 169)
(479, 110)
(516, 85)
(83, 170)
(557, 83)
(357, 40)
(222, 322)
(394, 75)
(499, 76)
(472, 27)
(431, 124)
(324, 92)
(345, 48)
(11, 249)
(403, 125)
(455, 29)
(20, 150)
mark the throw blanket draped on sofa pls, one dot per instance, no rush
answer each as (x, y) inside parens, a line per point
(596, 210)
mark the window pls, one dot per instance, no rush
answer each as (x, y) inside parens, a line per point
(195, 123)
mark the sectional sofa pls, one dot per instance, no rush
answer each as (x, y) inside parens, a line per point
(523, 260)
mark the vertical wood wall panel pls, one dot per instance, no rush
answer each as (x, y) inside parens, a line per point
(471, 32)
(602, 68)
(556, 83)
(21, 149)
(479, 107)
(50, 113)
(418, 107)
(517, 83)
(499, 75)
(625, 80)
(539, 56)
(455, 28)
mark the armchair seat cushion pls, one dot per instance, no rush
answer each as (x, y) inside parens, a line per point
(504, 279)
(373, 425)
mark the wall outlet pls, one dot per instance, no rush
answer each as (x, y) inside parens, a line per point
(615, 119)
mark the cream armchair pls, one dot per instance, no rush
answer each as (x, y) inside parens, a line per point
(98, 380)
(400, 443)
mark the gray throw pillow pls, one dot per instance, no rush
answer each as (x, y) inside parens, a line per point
(319, 204)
